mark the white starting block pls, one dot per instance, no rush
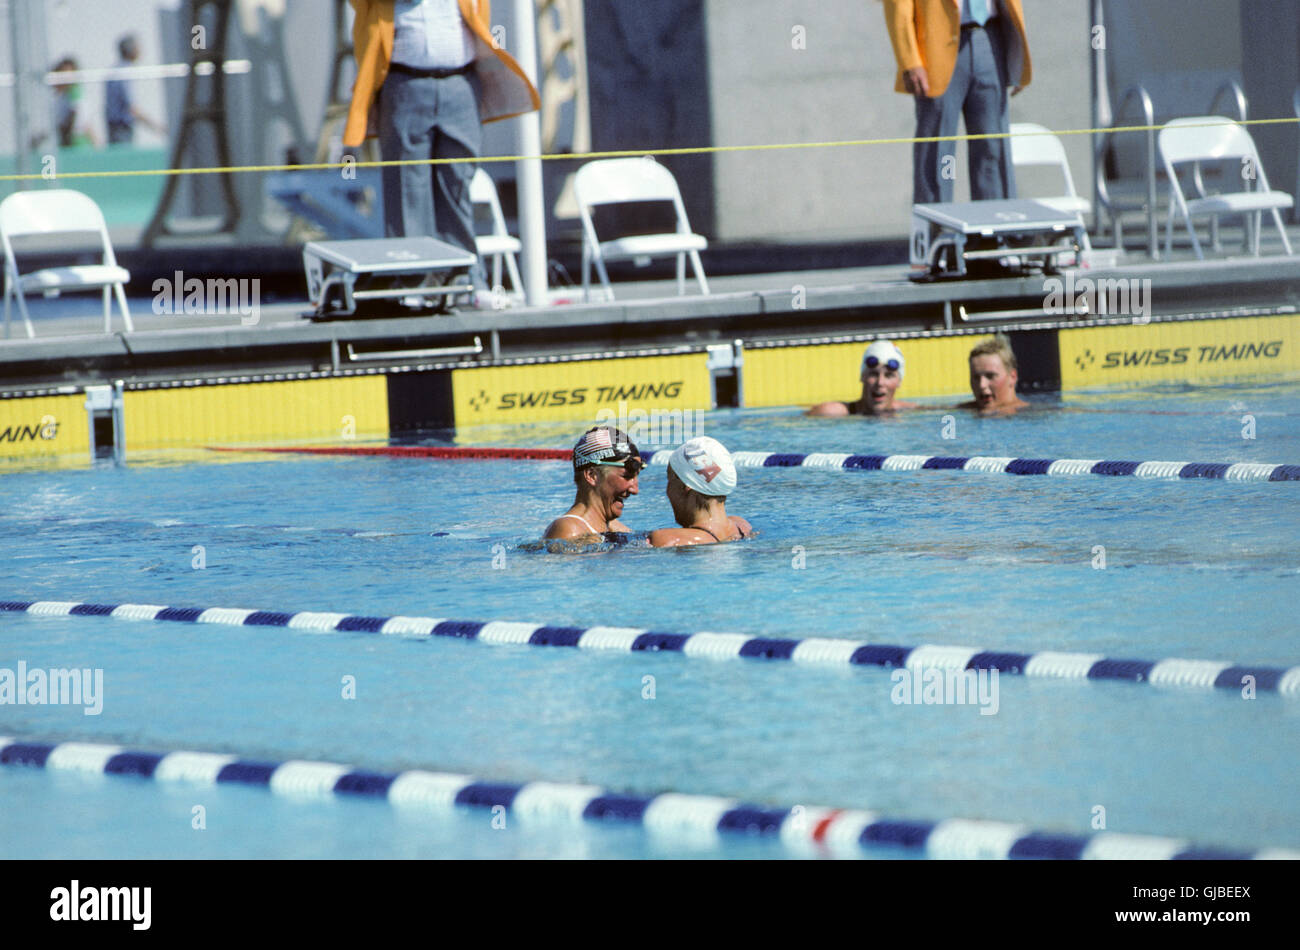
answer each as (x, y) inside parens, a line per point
(1019, 227)
(340, 273)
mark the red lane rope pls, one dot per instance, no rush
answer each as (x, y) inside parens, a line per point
(415, 451)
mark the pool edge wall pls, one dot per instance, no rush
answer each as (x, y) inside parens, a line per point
(376, 403)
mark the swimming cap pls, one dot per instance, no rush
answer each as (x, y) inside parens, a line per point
(705, 466)
(884, 351)
(604, 444)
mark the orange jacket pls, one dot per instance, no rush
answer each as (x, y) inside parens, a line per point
(506, 90)
(928, 33)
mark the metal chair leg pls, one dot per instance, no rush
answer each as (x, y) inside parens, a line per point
(699, 272)
(120, 291)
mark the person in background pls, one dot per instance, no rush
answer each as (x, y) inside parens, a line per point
(429, 73)
(881, 374)
(993, 378)
(72, 130)
(955, 58)
(701, 474)
(605, 468)
(120, 113)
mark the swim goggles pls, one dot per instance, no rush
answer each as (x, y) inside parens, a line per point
(631, 466)
(874, 361)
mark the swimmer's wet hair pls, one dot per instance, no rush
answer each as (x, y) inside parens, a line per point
(999, 346)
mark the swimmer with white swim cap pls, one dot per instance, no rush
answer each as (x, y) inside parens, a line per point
(881, 375)
(700, 476)
(605, 468)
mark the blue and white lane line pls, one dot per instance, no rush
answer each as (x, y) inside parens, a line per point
(700, 818)
(1227, 471)
(1203, 674)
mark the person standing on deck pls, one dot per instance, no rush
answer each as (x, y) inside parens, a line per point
(429, 73)
(955, 58)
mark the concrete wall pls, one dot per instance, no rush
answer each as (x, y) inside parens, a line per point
(840, 87)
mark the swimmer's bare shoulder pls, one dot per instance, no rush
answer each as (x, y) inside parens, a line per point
(676, 537)
(566, 529)
(569, 529)
(680, 537)
(829, 409)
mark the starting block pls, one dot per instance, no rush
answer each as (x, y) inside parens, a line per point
(342, 273)
(946, 238)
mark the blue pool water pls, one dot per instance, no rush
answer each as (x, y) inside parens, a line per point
(1194, 569)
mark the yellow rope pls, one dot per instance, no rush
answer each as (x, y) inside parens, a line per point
(624, 153)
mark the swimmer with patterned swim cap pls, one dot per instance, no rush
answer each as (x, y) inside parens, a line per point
(881, 375)
(700, 476)
(605, 468)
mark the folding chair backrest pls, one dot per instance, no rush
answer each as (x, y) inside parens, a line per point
(53, 211)
(483, 191)
(1205, 138)
(1034, 144)
(1209, 138)
(615, 180)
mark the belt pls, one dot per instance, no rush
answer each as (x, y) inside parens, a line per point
(991, 21)
(429, 73)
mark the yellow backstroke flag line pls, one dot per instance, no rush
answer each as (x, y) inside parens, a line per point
(625, 153)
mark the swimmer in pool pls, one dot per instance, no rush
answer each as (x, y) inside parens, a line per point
(882, 374)
(605, 468)
(993, 379)
(700, 476)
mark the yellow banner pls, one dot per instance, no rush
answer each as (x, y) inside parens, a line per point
(44, 427)
(345, 408)
(1190, 351)
(585, 389)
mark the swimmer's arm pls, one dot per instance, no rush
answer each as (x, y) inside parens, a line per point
(826, 409)
(745, 528)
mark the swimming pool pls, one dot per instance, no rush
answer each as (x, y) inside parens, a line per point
(1195, 569)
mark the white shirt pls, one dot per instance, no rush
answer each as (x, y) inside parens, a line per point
(431, 34)
(965, 10)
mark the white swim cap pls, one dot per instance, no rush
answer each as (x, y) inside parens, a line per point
(705, 466)
(884, 351)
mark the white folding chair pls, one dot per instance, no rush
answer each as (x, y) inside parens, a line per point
(1212, 138)
(1036, 145)
(46, 213)
(499, 243)
(620, 180)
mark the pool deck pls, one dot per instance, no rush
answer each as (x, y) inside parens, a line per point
(71, 349)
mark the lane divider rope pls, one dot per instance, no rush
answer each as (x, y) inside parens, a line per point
(1202, 674)
(699, 818)
(1225, 471)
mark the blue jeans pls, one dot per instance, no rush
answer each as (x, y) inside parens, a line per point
(978, 90)
(423, 118)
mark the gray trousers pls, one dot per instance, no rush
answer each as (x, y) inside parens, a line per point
(978, 90)
(423, 118)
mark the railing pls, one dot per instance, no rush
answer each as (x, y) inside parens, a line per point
(1114, 208)
(1238, 99)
